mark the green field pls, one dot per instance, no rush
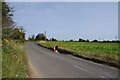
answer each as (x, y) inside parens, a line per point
(14, 62)
(103, 51)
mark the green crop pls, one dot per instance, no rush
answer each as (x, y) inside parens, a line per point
(104, 51)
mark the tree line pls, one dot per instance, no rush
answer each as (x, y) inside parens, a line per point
(95, 40)
(10, 30)
(40, 36)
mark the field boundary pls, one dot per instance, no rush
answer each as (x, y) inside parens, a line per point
(63, 51)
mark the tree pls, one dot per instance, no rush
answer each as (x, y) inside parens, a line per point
(17, 34)
(87, 40)
(80, 40)
(40, 36)
(32, 38)
(53, 39)
(71, 40)
(7, 21)
(9, 29)
(95, 40)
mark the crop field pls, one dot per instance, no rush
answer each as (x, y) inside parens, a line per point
(102, 51)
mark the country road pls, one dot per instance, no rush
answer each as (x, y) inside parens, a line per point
(45, 63)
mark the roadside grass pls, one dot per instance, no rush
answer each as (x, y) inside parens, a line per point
(14, 61)
(106, 52)
(0, 59)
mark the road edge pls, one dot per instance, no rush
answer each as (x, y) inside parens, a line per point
(84, 57)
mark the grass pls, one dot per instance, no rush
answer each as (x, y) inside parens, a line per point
(0, 59)
(14, 62)
(107, 52)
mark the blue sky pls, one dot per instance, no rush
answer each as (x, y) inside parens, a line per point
(68, 20)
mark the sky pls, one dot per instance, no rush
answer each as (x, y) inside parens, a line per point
(68, 20)
(62, 0)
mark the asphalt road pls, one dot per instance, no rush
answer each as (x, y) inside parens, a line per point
(45, 63)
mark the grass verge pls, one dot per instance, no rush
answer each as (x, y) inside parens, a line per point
(14, 61)
(105, 53)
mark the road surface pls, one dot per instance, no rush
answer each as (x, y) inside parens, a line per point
(45, 63)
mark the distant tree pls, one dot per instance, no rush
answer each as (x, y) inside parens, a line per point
(53, 39)
(84, 40)
(108, 41)
(87, 40)
(95, 40)
(62, 40)
(71, 40)
(31, 38)
(115, 41)
(80, 40)
(40, 36)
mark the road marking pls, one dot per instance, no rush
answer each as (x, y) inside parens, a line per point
(93, 62)
(80, 68)
(87, 71)
(102, 76)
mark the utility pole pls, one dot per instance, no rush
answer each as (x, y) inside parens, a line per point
(116, 38)
(99, 38)
(45, 35)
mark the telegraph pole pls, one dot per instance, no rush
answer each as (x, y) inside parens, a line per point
(45, 35)
(99, 39)
(116, 38)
